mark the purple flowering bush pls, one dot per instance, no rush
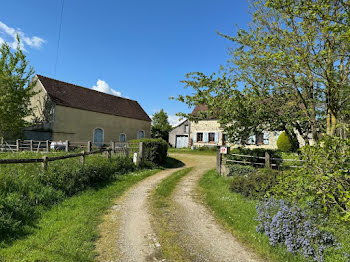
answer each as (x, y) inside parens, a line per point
(300, 231)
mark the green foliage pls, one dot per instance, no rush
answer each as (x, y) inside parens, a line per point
(160, 125)
(16, 89)
(26, 189)
(240, 170)
(254, 184)
(156, 149)
(324, 178)
(70, 227)
(283, 143)
(284, 60)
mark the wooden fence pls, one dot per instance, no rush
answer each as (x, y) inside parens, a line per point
(222, 162)
(126, 149)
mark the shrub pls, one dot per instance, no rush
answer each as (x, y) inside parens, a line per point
(324, 178)
(156, 149)
(26, 189)
(283, 143)
(240, 170)
(255, 185)
(299, 231)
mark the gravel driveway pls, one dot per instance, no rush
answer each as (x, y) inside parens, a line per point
(126, 231)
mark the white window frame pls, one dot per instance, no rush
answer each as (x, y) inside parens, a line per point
(93, 134)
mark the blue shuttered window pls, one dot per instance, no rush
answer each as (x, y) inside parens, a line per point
(195, 137)
(205, 137)
(266, 138)
(216, 137)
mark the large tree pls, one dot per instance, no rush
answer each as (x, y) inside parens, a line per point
(160, 125)
(293, 64)
(16, 89)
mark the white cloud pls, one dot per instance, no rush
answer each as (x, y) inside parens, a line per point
(174, 120)
(10, 35)
(102, 86)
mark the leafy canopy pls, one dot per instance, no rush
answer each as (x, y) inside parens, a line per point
(16, 89)
(160, 125)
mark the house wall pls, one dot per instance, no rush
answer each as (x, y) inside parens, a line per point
(78, 125)
(179, 130)
(206, 126)
(37, 102)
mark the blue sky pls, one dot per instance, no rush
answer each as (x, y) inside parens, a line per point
(140, 49)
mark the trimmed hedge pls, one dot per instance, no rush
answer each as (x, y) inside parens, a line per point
(283, 143)
(156, 149)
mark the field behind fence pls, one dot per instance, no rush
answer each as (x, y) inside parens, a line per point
(72, 149)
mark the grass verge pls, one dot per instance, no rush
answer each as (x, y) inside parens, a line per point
(170, 249)
(67, 231)
(237, 214)
(192, 151)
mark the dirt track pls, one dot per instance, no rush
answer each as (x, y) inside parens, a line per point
(127, 234)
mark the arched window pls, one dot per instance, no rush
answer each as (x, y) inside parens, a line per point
(140, 134)
(122, 138)
(98, 136)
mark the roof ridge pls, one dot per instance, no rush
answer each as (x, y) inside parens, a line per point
(86, 88)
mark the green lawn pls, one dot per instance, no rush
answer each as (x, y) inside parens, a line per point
(192, 151)
(161, 201)
(237, 214)
(68, 230)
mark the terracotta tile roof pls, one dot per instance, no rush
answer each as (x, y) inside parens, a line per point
(66, 94)
(202, 108)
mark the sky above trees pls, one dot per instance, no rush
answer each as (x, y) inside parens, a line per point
(136, 49)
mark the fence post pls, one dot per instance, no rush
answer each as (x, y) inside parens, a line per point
(109, 153)
(18, 145)
(224, 170)
(89, 146)
(141, 152)
(44, 163)
(267, 160)
(126, 150)
(31, 145)
(218, 160)
(82, 158)
(113, 146)
(67, 145)
(47, 146)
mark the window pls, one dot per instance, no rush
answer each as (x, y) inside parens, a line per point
(199, 137)
(98, 136)
(252, 140)
(211, 137)
(224, 139)
(122, 138)
(266, 137)
(186, 129)
(259, 139)
(140, 134)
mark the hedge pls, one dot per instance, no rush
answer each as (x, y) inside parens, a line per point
(156, 149)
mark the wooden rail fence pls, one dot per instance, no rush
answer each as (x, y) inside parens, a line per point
(222, 160)
(136, 149)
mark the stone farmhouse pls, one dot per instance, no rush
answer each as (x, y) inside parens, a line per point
(64, 111)
(208, 132)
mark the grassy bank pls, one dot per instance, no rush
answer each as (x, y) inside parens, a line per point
(237, 214)
(170, 249)
(67, 231)
(198, 151)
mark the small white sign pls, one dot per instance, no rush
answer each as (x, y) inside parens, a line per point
(223, 150)
(135, 158)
